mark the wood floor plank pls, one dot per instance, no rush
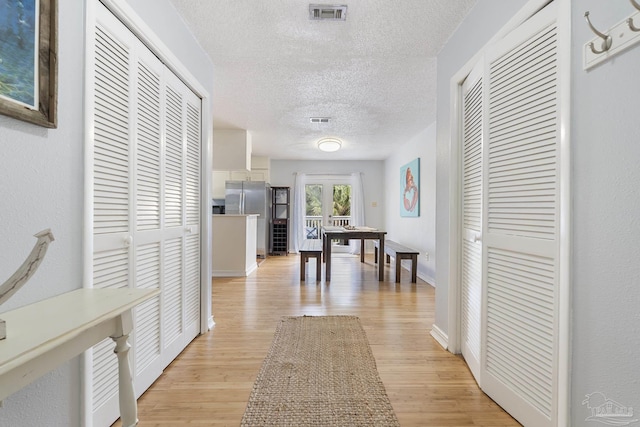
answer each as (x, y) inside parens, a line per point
(210, 382)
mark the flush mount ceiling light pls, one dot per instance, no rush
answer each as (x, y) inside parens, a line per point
(329, 144)
(328, 12)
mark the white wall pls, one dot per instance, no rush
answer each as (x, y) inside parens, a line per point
(42, 187)
(372, 180)
(418, 233)
(605, 142)
(163, 19)
(231, 150)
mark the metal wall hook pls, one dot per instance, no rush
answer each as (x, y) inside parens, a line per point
(603, 47)
(632, 27)
(606, 39)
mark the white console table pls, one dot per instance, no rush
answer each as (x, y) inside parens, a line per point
(43, 335)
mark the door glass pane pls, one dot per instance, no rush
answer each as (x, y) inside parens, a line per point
(313, 211)
(341, 210)
(341, 204)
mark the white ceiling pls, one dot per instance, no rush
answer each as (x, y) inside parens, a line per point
(373, 75)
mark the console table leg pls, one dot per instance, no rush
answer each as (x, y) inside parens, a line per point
(128, 404)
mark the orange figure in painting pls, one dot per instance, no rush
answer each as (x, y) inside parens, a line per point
(410, 195)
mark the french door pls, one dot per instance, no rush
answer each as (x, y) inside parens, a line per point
(510, 223)
(327, 202)
(146, 172)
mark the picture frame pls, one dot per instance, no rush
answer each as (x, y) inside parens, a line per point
(410, 189)
(29, 61)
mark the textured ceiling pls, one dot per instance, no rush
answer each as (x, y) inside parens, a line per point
(373, 75)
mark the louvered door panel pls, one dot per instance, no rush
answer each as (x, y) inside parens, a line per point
(472, 158)
(174, 134)
(147, 335)
(147, 314)
(111, 197)
(148, 219)
(471, 301)
(192, 201)
(148, 145)
(520, 324)
(105, 376)
(192, 280)
(192, 208)
(173, 292)
(471, 290)
(111, 138)
(523, 185)
(521, 241)
(110, 270)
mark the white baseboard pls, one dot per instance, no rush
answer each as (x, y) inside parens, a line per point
(235, 273)
(440, 336)
(430, 281)
(406, 265)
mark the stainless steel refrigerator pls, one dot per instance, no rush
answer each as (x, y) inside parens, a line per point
(251, 197)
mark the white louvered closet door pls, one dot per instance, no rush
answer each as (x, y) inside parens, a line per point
(146, 203)
(471, 274)
(148, 226)
(521, 228)
(193, 174)
(181, 291)
(112, 193)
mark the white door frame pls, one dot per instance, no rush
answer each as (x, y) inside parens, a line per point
(452, 340)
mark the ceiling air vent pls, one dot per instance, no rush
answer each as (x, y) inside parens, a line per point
(319, 119)
(327, 12)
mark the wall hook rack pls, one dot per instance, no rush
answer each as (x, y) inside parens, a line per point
(622, 36)
(632, 27)
(606, 39)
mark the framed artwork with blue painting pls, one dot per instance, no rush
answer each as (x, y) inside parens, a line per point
(410, 189)
(28, 60)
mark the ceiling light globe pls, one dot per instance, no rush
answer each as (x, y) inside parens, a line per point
(329, 144)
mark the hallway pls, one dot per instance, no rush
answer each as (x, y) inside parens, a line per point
(210, 382)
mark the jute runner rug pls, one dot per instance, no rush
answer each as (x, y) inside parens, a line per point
(319, 371)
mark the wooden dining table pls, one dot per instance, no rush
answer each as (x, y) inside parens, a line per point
(330, 233)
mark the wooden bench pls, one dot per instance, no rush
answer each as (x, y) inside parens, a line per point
(311, 248)
(399, 252)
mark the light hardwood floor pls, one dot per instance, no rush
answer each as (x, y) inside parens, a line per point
(210, 382)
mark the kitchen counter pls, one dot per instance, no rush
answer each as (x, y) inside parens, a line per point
(234, 245)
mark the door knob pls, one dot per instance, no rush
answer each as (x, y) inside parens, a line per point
(472, 236)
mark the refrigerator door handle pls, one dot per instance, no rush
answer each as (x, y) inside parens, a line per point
(242, 203)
